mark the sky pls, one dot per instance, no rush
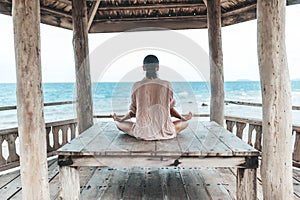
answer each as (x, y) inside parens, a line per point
(111, 61)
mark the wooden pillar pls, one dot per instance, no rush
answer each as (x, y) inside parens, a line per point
(69, 179)
(82, 65)
(276, 98)
(32, 133)
(216, 61)
(246, 186)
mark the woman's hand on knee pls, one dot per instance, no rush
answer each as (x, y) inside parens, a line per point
(115, 117)
(188, 117)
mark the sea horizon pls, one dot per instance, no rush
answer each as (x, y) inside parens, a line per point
(110, 97)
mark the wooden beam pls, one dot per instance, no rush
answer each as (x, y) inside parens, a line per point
(183, 22)
(153, 6)
(276, 168)
(292, 2)
(92, 13)
(33, 148)
(216, 61)
(82, 65)
(239, 15)
(55, 20)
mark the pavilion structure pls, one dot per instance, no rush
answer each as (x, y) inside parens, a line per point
(99, 16)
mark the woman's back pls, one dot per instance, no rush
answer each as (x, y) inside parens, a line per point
(152, 100)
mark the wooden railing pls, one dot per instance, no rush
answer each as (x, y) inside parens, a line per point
(3, 108)
(250, 130)
(243, 103)
(57, 134)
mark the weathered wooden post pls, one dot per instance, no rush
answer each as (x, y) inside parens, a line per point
(32, 133)
(216, 61)
(82, 64)
(277, 107)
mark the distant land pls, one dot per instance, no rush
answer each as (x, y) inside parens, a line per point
(249, 80)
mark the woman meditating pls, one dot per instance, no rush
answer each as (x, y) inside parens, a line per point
(152, 104)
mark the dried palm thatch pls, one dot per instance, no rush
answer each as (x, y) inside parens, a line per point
(124, 15)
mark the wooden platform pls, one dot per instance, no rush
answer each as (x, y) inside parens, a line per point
(156, 169)
(202, 144)
(143, 183)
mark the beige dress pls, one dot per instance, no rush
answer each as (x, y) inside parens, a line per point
(151, 102)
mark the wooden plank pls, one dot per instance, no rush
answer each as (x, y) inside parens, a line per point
(10, 189)
(168, 147)
(237, 146)
(239, 15)
(116, 185)
(153, 184)
(97, 184)
(296, 182)
(92, 13)
(79, 143)
(196, 142)
(193, 184)
(123, 161)
(296, 185)
(213, 184)
(296, 152)
(188, 142)
(121, 145)
(143, 147)
(134, 188)
(102, 141)
(228, 180)
(52, 174)
(158, 161)
(85, 174)
(55, 186)
(211, 145)
(211, 161)
(181, 22)
(7, 178)
(296, 173)
(172, 183)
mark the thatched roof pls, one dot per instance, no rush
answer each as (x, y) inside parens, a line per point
(124, 15)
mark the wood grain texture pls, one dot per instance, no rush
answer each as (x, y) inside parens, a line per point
(200, 139)
(26, 21)
(276, 100)
(203, 144)
(246, 184)
(154, 188)
(216, 61)
(119, 16)
(84, 104)
(69, 179)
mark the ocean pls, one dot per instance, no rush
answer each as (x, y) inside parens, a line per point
(115, 97)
